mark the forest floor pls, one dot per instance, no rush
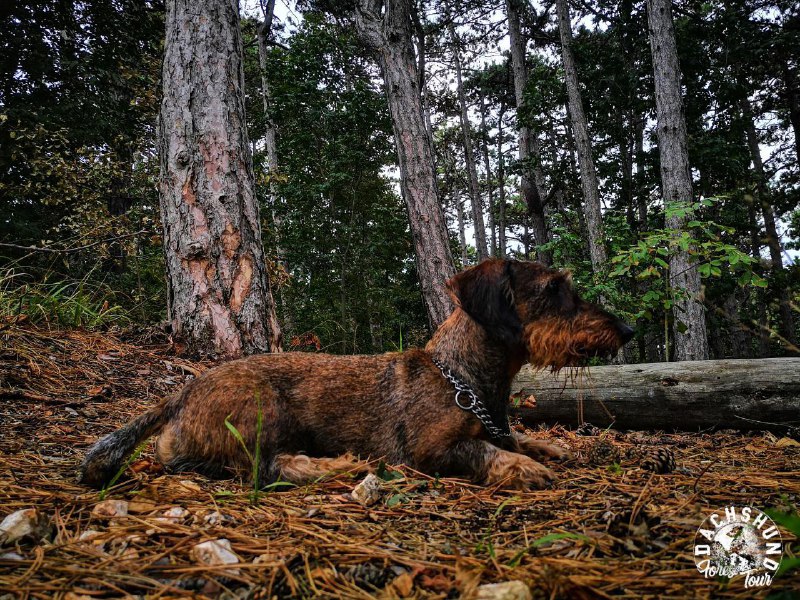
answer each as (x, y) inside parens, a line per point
(606, 528)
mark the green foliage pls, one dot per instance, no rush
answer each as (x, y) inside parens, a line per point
(790, 522)
(704, 240)
(344, 232)
(131, 459)
(253, 457)
(66, 303)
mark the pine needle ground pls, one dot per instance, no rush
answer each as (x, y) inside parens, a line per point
(608, 528)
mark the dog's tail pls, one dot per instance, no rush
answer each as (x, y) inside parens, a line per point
(104, 460)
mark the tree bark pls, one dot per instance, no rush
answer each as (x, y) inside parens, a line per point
(220, 301)
(462, 234)
(469, 157)
(533, 192)
(725, 394)
(487, 165)
(501, 187)
(271, 150)
(760, 305)
(792, 83)
(760, 194)
(591, 193)
(691, 341)
(388, 33)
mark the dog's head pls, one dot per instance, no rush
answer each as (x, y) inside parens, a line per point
(527, 304)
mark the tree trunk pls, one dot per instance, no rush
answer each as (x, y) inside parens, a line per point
(419, 32)
(760, 194)
(219, 296)
(271, 150)
(723, 394)
(792, 83)
(388, 34)
(469, 158)
(762, 323)
(691, 341)
(532, 191)
(591, 193)
(501, 187)
(462, 235)
(487, 165)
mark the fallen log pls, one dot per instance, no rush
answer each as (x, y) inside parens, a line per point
(689, 396)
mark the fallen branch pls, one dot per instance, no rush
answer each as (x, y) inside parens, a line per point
(689, 396)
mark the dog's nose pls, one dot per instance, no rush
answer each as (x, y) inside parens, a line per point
(625, 332)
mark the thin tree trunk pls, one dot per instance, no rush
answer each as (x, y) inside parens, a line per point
(388, 34)
(762, 321)
(760, 194)
(532, 191)
(462, 235)
(501, 187)
(469, 157)
(690, 336)
(419, 32)
(271, 150)
(641, 192)
(792, 83)
(591, 193)
(487, 165)
(219, 295)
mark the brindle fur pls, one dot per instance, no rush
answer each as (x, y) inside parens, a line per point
(319, 410)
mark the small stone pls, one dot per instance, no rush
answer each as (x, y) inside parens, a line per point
(190, 485)
(176, 514)
(11, 556)
(216, 518)
(110, 509)
(25, 523)
(368, 492)
(508, 590)
(216, 552)
(92, 537)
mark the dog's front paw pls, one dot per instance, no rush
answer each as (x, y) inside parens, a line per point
(518, 471)
(543, 450)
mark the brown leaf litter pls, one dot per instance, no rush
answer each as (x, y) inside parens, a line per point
(613, 528)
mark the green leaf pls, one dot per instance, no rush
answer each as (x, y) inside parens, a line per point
(396, 499)
(235, 432)
(546, 539)
(386, 474)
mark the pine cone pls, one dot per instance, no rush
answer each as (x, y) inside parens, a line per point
(368, 575)
(587, 429)
(603, 452)
(661, 461)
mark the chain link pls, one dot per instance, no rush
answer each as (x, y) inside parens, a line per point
(475, 406)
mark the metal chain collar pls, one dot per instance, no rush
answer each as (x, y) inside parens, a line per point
(475, 405)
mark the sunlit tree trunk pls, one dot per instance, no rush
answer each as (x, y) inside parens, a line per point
(386, 28)
(219, 295)
(591, 193)
(690, 337)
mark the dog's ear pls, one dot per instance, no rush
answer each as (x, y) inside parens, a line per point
(486, 293)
